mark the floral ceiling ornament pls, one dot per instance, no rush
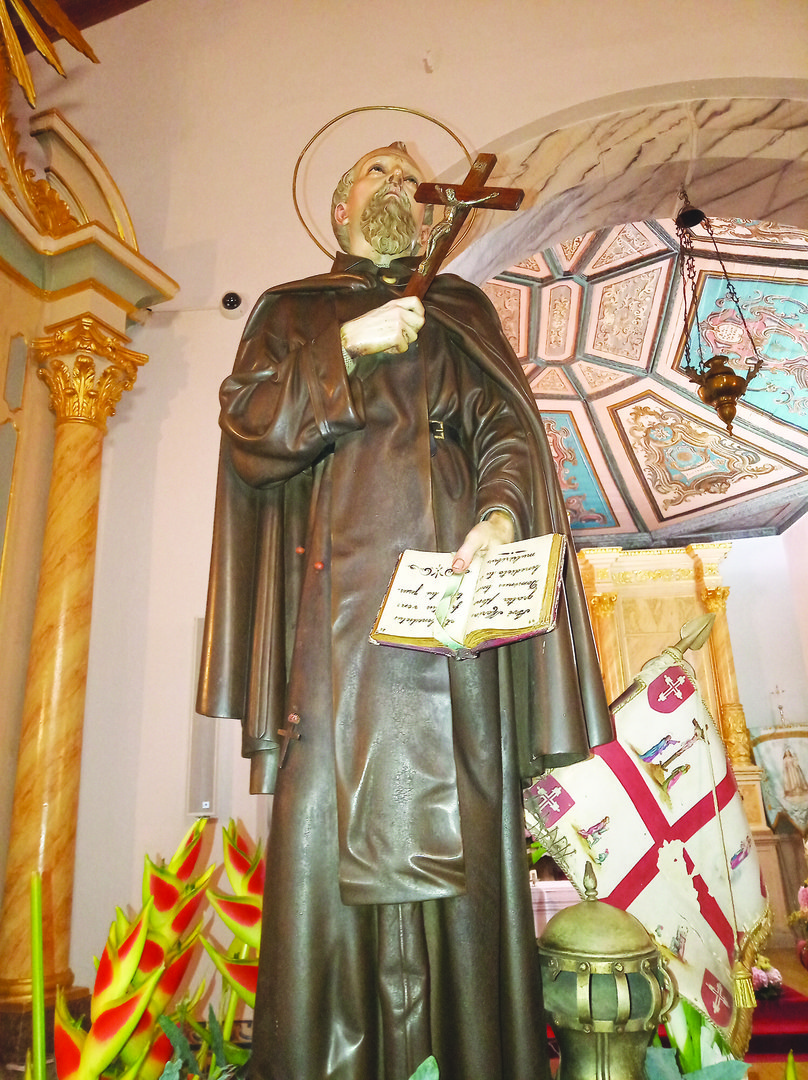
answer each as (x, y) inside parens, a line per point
(719, 386)
(32, 14)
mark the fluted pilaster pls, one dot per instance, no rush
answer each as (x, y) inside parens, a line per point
(86, 367)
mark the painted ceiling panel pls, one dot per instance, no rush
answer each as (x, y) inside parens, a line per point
(641, 459)
(594, 502)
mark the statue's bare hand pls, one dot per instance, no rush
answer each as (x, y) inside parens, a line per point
(387, 329)
(497, 529)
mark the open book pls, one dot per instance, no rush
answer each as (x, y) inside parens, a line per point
(508, 594)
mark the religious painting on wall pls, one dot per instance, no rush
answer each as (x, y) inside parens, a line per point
(782, 753)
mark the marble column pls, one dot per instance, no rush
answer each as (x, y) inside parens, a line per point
(607, 640)
(86, 367)
(732, 721)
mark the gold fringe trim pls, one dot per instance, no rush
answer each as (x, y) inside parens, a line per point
(753, 942)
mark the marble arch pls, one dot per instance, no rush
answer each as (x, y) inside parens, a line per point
(739, 146)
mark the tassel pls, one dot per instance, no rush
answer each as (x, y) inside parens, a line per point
(742, 989)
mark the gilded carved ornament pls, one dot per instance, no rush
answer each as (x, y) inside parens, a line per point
(603, 604)
(36, 198)
(40, 203)
(736, 734)
(102, 368)
(715, 599)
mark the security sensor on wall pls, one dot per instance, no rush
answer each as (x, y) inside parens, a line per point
(233, 305)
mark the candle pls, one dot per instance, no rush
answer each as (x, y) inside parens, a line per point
(37, 980)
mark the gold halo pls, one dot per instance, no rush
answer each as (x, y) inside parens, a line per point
(363, 109)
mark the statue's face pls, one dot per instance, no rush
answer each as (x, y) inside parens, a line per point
(382, 217)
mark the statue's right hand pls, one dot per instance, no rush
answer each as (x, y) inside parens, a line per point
(386, 329)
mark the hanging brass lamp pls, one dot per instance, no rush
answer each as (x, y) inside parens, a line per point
(719, 385)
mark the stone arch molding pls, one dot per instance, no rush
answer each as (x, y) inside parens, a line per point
(740, 149)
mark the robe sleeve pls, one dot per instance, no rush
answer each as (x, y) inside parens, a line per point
(498, 442)
(289, 397)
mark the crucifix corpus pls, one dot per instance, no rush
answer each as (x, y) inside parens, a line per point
(459, 200)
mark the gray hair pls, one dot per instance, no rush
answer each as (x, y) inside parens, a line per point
(341, 192)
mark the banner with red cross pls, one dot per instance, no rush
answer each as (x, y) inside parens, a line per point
(658, 815)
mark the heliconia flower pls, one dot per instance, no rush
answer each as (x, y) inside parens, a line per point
(134, 1072)
(153, 956)
(183, 860)
(113, 1027)
(156, 1058)
(175, 969)
(68, 1039)
(174, 906)
(85, 1056)
(242, 975)
(246, 876)
(241, 914)
(119, 962)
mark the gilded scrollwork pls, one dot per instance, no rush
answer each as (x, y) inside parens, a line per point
(41, 203)
(625, 309)
(628, 244)
(558, 324)
(715, 600)
(736, 733)
(625, 577)
(684, 460)
(507, 301)
(86, 367)
(603, 605)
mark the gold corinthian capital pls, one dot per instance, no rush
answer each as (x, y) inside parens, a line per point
(603, 604)
(87, 367)
(715, 600)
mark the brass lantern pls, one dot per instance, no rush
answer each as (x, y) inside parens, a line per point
(605, 989)
(719, 386)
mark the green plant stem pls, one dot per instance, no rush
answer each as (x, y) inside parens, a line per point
(232, 1004)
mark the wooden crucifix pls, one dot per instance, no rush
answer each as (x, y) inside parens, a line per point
(459, 200)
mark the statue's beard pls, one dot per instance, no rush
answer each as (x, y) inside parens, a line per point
(389, 227)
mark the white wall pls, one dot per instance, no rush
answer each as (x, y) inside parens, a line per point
(765, 610)
(199, 110)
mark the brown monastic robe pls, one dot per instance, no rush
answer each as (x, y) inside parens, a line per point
(397, 911)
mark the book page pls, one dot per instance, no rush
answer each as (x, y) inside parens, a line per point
(419, 583)
(512, 591)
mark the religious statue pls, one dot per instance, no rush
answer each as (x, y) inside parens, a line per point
(359, 422)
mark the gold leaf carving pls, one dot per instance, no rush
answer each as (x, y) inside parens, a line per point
(36, 198)
(715, 600)
(88, 389)
(627, 576)
(603, 604)
(736, 733)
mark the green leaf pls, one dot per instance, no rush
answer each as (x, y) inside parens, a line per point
(427, 1070)
(216, 1040)
(791, 1068)
(173, 1070)
(721, 1070)
(182, 1048)
(660, 1064)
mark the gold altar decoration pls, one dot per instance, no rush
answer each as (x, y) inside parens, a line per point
(29, 13)
(83, 392)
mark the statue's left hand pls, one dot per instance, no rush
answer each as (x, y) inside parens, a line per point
(497, 529)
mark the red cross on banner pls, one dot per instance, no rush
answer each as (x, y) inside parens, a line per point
(658, 814)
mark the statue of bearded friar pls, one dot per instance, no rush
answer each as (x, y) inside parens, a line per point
(358, 423)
